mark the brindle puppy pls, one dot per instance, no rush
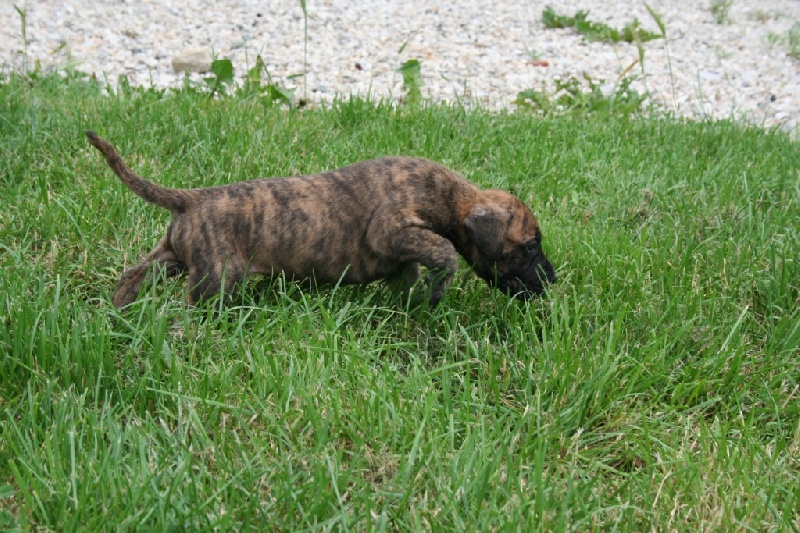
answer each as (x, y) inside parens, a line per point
(372, 220)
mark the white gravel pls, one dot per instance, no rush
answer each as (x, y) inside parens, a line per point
(471, 50)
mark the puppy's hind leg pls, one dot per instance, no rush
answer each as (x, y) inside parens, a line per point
(142, 274)
(208, 280)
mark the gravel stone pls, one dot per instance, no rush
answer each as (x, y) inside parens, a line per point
(473, 51)
(192, 60)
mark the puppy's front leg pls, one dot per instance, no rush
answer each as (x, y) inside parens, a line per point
(419, 245)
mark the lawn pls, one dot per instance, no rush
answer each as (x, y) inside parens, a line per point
(655, 387)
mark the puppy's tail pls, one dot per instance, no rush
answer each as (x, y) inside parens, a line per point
(172, 199)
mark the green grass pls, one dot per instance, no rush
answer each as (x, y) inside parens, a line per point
(656, 386)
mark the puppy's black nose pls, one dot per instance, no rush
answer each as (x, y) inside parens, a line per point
(549, 273)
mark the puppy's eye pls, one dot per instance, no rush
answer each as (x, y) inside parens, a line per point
(532, 247)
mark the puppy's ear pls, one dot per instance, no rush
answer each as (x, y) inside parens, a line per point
(487, 227)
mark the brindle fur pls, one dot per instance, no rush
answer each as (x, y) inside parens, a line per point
(372, 220)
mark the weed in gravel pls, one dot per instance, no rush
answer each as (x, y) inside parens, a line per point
(793, 41)
(760, 15)
(533, 55)
(411, 71)
(720, 10)
(722, 52)
(598, 31)
(222, 70)
(271, 91)
(790, 39)
(575, 96)
(304, 7)
(663, 29)
(23, 23)
(258, 83)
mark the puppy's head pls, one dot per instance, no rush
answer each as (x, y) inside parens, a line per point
(505, 245)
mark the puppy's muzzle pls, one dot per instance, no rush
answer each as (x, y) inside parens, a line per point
(532, 281)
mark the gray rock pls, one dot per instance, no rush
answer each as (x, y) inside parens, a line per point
(192, 60)
(709, 75)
